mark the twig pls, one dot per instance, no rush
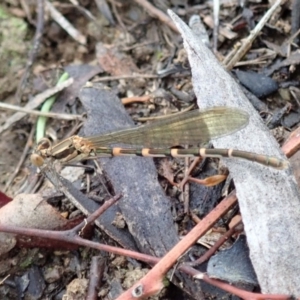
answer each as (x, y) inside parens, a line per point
(247, 43)
(96, 274)
(35, 102)
(65, 24)
(40, 113)
(71, 236)
(186, 187)
(26, 9)
(292, 144)
(215, 247)
(34, 50)
(153, 11)
(152, 283)
(118, 17)
(134, 76)
(162, 265)
(129, 100)
(230, 288)
(86, 12)
(185, 179)
(22, 158)
(92, 217)
(129, 76)
(216, 4)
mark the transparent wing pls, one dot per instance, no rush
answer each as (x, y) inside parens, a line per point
(191, 128)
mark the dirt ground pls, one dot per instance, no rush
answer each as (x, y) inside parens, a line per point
(132, 51)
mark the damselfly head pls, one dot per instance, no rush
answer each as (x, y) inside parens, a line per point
(37, 160)
(38, 157)
(43, 144)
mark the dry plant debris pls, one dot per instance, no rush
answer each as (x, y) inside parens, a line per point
(132, 50)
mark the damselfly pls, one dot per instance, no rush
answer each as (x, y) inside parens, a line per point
(160, 138)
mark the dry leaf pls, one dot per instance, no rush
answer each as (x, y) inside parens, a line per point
(29, 211)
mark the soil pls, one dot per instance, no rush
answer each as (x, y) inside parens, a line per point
(141, 59)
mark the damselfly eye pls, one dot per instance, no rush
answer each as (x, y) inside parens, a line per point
(36, 160)
(43, 143)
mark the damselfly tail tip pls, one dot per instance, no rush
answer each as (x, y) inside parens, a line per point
(279, 164)
(284, 164)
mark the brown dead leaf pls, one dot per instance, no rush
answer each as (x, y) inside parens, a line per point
(167, 171)
(114, 61)
(209, 181)
(29, 211)
(4, 199)
(236, 221)
(211, 237)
